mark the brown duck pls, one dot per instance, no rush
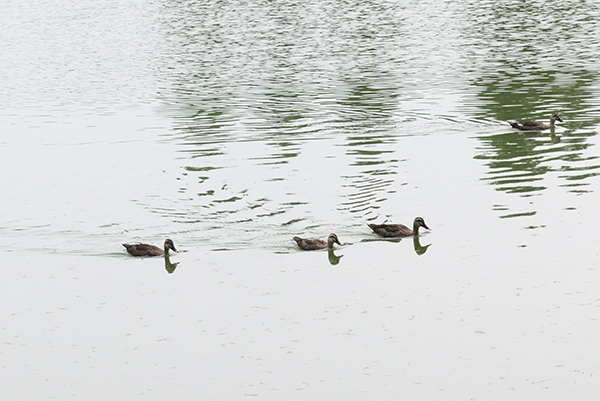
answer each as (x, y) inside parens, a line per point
(536, 125)
(313, 244)
(150, 250)
(398, 230)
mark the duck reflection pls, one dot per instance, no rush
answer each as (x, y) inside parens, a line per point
(553, 137)
(333, 258)
(419, 249)
(170, 267)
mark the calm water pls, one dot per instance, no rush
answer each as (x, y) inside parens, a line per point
(230, 127)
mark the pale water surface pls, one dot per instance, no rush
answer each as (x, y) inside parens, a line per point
(231, 127)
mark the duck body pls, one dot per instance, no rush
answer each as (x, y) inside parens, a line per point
(314, 244)
(150, 250)
(398, 230)
(536, 125)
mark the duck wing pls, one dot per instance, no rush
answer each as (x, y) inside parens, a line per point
(310, 244)
(143, 250)
(531, 123)
(391, 230)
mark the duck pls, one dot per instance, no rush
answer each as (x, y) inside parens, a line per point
(313, 244)
(398, 230)
(150, 250)
(536, 125)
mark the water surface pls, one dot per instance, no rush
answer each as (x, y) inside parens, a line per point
(231, 127)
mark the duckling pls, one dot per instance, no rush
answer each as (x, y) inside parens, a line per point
(150, 250)
(312, 244)
(536, 125)
(398, 230)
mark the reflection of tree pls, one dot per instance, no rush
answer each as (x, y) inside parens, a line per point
(514, 162)
(519, 162)
(514, 92)
(370, 107)
(526, 71)
(283, 79)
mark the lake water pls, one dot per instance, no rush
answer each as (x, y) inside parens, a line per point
(231, 127)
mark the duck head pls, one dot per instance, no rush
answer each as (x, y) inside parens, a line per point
(331, 239)
(170, 245)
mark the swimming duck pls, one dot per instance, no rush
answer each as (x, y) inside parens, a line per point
(536, 125)
(312, 244)
(150, 250)
(398, 230)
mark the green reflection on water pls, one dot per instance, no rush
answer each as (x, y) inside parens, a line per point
(527, 72)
